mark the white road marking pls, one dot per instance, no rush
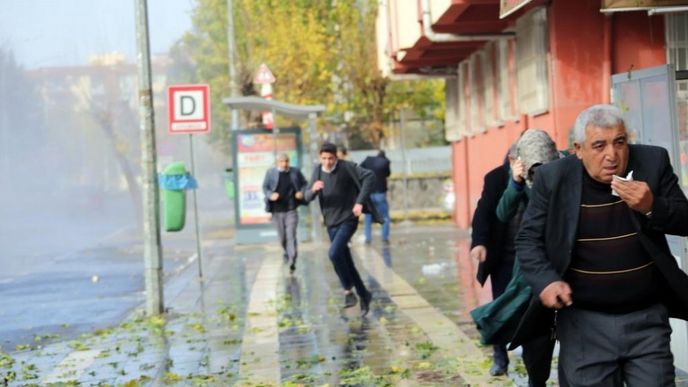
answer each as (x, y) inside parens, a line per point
(260, 347)
(71, 367)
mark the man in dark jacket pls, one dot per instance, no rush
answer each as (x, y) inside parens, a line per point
(282, 188)
(380, 166)
(492, 245)
(342, 188)
(592, 246)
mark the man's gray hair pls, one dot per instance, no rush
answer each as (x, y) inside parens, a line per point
(282, 156)
(601, 116)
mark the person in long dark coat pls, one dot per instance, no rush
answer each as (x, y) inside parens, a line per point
(491, 247)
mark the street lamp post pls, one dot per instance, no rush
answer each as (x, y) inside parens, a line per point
(231, 48)
(152, 252)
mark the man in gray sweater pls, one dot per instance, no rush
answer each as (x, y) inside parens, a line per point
(342, 188)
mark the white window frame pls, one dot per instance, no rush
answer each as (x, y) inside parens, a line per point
(531, 62)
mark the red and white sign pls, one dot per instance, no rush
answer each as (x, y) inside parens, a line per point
(264, 75)
(188, 109)
(264, 78)
(268, 119)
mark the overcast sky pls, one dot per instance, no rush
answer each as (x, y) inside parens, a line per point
(44, 33)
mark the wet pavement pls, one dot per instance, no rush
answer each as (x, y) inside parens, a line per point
(249, 323)
(80, 290)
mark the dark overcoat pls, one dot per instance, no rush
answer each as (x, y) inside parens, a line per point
(486, 229)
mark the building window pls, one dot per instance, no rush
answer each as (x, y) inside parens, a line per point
(676, 26)
(531, 62)
(463, 98)
(487, 61)
(451, 116)
(505, 75)
(478, 90)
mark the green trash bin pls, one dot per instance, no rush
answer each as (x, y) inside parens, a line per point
(229, 183)
(173, 182)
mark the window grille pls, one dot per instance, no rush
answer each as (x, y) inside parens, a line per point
(676, 25)
(676, 31)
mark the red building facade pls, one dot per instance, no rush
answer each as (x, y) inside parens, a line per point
(518, 64)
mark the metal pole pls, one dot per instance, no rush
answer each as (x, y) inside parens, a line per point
(231, 49)
(199, 251)
(275, 134)
(402, 140)
(315, 212)
(152, 252)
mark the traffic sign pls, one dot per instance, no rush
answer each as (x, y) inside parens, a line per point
(188, 109)
(264, 75)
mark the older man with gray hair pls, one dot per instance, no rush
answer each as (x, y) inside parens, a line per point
(592, 246)
(282, 189)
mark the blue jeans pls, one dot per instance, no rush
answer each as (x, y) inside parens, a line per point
(341, 258)
(379, 200)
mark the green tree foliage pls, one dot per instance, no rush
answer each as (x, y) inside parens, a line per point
(321, 52)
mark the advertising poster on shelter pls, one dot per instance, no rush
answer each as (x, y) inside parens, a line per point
(256, 153)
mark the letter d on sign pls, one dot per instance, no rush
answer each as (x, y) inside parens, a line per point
(188, 109)
(188, 105)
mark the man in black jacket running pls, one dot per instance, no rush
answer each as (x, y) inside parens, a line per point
(342, 188)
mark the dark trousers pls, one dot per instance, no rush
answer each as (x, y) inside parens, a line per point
(601, 349)
(537, 357)
(286, 223)
(499, 279)
(340, 255)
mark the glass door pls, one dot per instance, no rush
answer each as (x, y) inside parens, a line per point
(654, 102)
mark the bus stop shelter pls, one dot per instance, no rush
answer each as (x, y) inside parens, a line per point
(254, 150)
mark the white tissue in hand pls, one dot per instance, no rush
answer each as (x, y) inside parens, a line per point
(628, 177)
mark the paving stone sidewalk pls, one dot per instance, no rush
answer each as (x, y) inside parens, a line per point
(249, 323)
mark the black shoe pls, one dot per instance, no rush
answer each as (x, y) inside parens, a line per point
(498, 370)
(292, 268)
(365, 304)
(350, 300)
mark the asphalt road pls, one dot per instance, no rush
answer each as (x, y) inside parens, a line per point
(72, 268)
